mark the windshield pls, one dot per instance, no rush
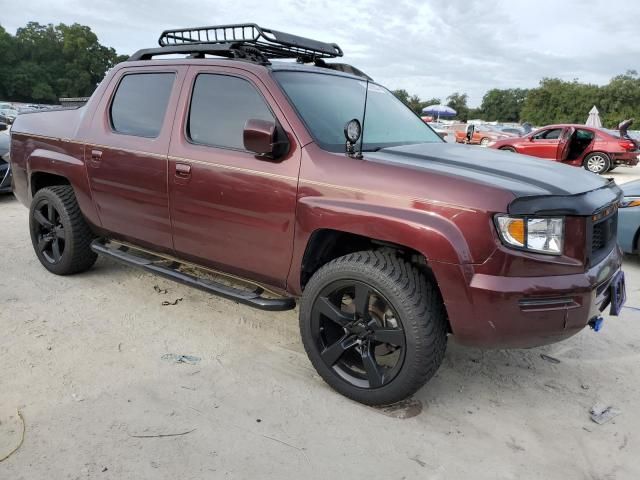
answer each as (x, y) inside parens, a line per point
(327, 102)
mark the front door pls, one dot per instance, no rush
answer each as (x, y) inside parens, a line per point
(543, 143)
(126, 155)
(230, 209)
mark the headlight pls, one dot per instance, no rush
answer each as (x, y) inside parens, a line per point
(535, 234)
(630, 202)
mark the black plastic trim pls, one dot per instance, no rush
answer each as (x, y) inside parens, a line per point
(582, 204)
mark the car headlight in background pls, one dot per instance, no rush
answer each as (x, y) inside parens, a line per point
(534, 234)
(630, 202)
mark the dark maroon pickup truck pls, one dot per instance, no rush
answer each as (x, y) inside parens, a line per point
(309, 180)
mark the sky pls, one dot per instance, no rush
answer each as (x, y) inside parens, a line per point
(429, 47)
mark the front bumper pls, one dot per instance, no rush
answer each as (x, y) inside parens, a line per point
(5, 177)
(522, 312)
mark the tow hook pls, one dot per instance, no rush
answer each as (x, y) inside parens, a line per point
(596, 323)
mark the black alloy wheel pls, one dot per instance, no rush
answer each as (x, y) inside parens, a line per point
(49, 231)
(358, 333)
(60, 234)
(373, 326)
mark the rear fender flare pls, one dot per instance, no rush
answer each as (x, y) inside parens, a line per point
(69, 166)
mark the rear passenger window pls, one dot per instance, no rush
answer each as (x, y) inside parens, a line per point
(220, 106)
(140, 103)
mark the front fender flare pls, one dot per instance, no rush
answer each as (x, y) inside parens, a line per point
(433, 235)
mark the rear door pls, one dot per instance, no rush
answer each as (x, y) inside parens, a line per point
(231, 210)
(543, 143)
(126, 154)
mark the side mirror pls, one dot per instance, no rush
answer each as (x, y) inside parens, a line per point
(261, 137)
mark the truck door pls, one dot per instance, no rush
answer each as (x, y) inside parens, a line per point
(230, 209)
(126, 154)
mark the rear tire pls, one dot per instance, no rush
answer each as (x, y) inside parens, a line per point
(597, 162)
(60, 235)
(485, 141)
(371, 307)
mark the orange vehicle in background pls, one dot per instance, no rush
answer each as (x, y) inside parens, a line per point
(480, 134)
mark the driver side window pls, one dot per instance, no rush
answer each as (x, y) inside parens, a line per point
(549, 134)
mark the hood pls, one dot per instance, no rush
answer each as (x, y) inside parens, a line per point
(631, 189)
(521, 174)
(537, 185)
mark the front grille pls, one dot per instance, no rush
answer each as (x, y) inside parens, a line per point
(603, 237)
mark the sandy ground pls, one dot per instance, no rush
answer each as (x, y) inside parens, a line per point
(81, 359)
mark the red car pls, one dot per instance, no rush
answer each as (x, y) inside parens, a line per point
(592, 148)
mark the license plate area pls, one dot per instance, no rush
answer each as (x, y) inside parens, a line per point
(617, 293)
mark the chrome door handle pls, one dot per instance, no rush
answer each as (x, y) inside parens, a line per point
(183, 169)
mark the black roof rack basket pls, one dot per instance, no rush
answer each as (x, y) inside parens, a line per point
(227, 40)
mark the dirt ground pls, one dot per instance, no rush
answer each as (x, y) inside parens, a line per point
(82, 359)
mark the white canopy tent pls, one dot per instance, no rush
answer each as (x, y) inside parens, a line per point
(594, 118)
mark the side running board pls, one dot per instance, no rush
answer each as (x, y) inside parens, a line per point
(170, 269)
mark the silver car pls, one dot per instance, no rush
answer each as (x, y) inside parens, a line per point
(629, 218)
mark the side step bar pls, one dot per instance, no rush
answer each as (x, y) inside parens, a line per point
(169, 269)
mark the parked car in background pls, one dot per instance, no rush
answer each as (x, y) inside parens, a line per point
(8, 115)
(595, 149)
(5, 166)
(629, 218)
(518, 132)
(483, 134)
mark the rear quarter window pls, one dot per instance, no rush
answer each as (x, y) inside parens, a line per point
(140, 103)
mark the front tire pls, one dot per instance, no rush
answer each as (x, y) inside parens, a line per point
(373, 327)
(508, 149)
(60, 235)
(597, 162)
(485, 141)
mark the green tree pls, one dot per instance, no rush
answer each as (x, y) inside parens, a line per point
(413, 101)
(503, 105)
(558, 101)
(44, 62)
(458, 101)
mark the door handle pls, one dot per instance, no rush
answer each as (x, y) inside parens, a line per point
(96, 156)
(183, 170)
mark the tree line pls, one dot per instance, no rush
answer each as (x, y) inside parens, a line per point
(553, 101)
(42, 63)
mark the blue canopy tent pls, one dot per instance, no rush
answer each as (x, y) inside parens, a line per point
(439, 111)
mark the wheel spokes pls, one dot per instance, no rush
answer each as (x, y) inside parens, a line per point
(333, 313)
(393, 336)
(41, 219)
(43, 243)
(361, 300)
(374, 373)
(60, 232)
(55, 249)
(332, 353)
(51, 213)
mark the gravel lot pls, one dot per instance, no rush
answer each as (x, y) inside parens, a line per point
(82, 360)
